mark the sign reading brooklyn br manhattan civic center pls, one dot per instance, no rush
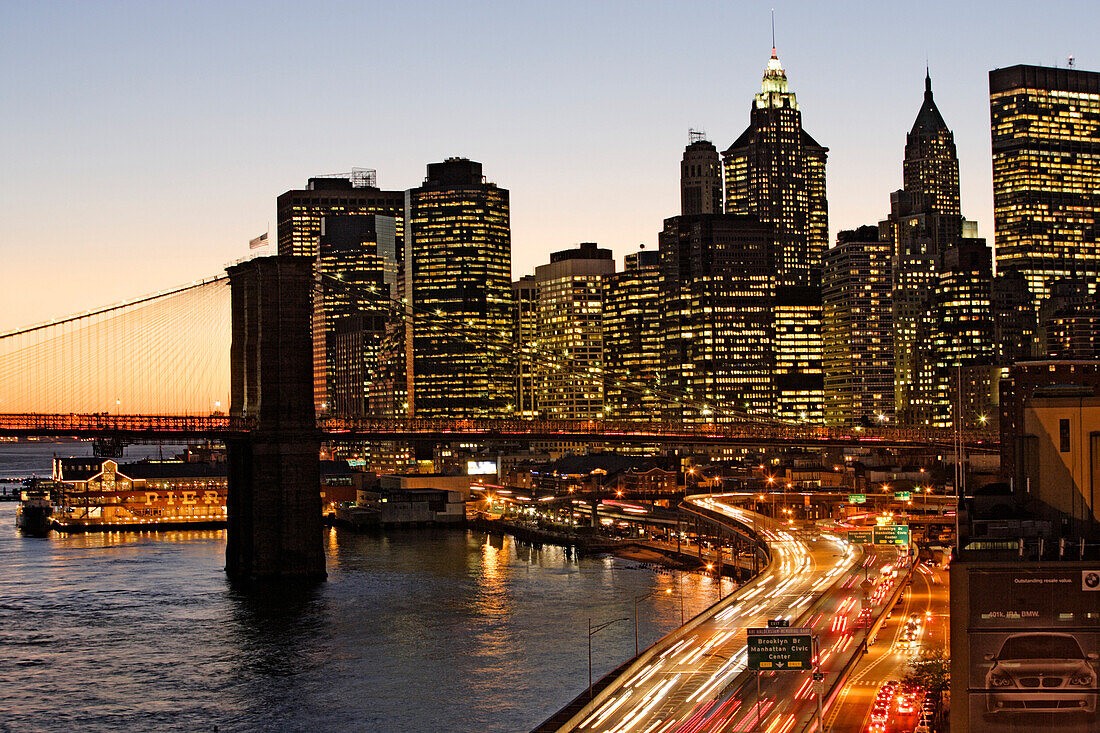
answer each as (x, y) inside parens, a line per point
(780, 649)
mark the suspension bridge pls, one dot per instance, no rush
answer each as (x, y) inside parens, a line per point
(231, 358)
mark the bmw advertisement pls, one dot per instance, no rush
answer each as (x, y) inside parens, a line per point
(1034, 640)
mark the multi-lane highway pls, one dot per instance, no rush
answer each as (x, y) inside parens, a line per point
(697, 680)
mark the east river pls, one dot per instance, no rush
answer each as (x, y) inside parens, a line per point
(418, 630)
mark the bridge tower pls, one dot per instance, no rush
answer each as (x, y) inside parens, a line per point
(274, 503)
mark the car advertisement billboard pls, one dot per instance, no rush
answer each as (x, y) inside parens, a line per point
(1034, 637)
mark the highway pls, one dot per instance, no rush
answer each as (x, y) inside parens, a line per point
(697, 680)
(927, 599)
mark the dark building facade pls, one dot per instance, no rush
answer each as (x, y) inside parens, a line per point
(700, 177)
(459, 291)
(1045, 126)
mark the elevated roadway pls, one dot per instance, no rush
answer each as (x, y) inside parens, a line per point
(695, 679)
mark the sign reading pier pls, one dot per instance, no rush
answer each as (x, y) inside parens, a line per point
(780, 649)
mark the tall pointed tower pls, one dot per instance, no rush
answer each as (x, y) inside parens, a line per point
(931, 166)
(776, 172)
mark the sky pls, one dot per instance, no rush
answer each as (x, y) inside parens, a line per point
(144, 143)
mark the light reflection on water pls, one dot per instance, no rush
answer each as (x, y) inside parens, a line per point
(414, 630)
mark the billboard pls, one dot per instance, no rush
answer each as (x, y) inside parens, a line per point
(1034, 641)
(481, 468)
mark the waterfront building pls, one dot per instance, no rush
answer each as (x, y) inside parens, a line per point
(570, 332)
(98, 493)
(1045, 125)
(458, 289)
(717, 329)
(632, 338)
(525, 349)
(858, 358)
(299, 212)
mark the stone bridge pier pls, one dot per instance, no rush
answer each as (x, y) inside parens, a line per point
(274, 501)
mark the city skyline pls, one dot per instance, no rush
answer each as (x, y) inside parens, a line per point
(166, 137)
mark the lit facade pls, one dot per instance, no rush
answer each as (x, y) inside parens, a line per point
(965, 371)
(858, 359)
(459, 293)
(1045, 127)
(717, 329)
(570, 332)
(300, 216)
(632, 338)
(776, 172)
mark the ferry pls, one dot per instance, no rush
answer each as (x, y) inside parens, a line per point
(32, 516)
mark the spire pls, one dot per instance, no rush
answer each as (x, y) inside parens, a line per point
(773, 35)
(929, 117)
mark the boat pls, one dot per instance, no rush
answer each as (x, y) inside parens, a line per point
(33, 516)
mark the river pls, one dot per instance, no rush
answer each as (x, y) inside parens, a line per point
(418, 630)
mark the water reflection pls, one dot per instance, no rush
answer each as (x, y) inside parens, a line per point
(414, 630)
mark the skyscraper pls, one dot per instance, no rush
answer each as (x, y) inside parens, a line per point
(525, 352)
(459, 293)
(570, 332)
(700, 177)
(858, 359)
(776, 172)
(300, 216)
(931, 167)
(717, 332)
(1046, 173)
(632, 338)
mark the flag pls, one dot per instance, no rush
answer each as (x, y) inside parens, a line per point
(260, 241)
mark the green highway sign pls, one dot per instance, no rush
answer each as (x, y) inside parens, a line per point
(857, 498)
(780, 649)
(860, 536)
(902, 495)
(892, 534)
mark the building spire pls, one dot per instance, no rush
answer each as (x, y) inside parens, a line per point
(773, 34)
(927, 81)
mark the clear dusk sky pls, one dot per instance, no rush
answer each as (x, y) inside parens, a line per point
(144, 143)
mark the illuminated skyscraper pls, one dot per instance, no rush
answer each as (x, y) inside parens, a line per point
(1046, 173)
(570, 332)
(776, 172)
(717, 330)
(632, 338)
(858, 359)
(459, 291)
(358, 268)
(300, 214)
(931, 167)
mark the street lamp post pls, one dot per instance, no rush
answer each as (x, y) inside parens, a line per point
(592, 631)
(642, 598)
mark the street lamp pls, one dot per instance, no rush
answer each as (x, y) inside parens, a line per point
(668, 591)
(592, 631)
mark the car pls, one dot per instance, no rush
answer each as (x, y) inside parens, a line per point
(1045, 671)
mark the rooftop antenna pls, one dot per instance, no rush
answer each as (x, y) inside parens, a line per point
(695, 136)
(773, 31)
